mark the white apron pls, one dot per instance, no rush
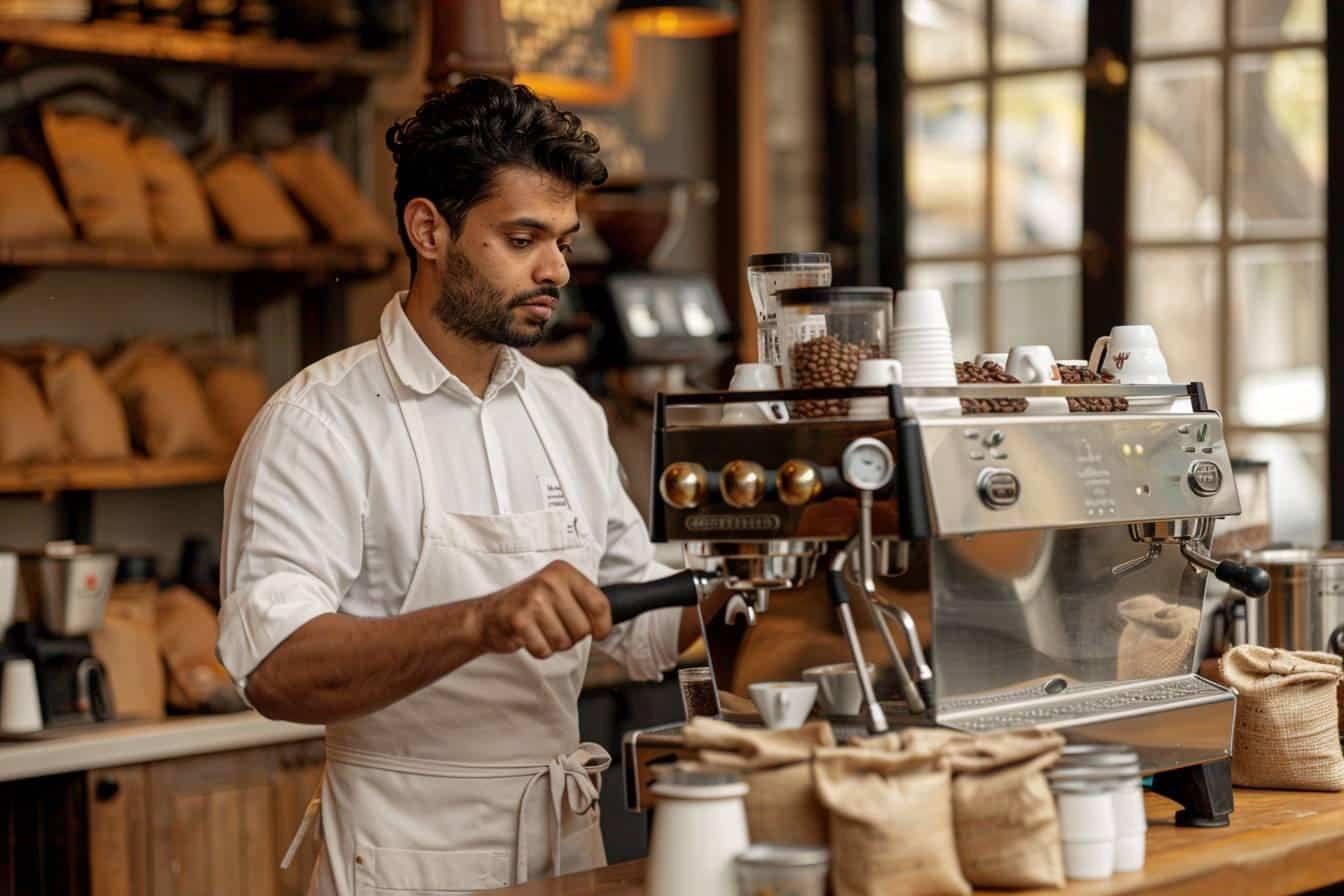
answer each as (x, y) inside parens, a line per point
(477, 781)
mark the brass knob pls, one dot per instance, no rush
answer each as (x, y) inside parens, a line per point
(683, 485)
(798, 482)
(742, 483)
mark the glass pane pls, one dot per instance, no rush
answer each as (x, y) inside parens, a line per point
(1176, 292)
(1175, 157)
(962, 286)
(1038, 301)
(1278, 335)
(1161, 26)
(1039, 32)
(945, 172)
(1038, 162)
(944, 37)
(1270, 21)
(1298, 484)
(1278, 144)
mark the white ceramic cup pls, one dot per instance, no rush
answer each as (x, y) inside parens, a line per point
(1131, 827)
(755, 378)
(783, 704)
(20, 708)
(1132, 355)
(919, 309)
(1087, 827)
(874, 372)
(1033, 365)
(838, 688)
(9, 588)
(999, 358)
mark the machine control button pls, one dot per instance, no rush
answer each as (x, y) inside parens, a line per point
(1184, 429)
(971, 433)
(999, 488)
(1189, 449)
(1205, 478)
(998, 455)
(994, 439)
(977, 455)
(1207, 449)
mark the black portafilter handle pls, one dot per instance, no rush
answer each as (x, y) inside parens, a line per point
(637, 598)
(1251, 581)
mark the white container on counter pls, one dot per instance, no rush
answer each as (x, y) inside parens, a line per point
(699, 829)
(1087, 825)
(767, 274)
(1099, 795)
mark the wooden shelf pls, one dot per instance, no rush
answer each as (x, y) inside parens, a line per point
(208, 259)
(120, 41)
(137, 472)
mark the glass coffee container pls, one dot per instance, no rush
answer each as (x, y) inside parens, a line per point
(771, 272)
(824, 333)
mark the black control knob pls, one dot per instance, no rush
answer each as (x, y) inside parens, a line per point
(1336, 642)
(106, 790)
(998, 488)
(1251, 581)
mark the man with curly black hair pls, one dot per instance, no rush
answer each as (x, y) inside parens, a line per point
(416, 527)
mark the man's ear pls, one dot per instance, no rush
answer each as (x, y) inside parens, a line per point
(426, 228)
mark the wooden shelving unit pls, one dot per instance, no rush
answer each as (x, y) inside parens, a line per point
(119, 41)
(220, 258)
(137, 472)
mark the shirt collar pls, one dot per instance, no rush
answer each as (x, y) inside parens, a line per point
(421, 372)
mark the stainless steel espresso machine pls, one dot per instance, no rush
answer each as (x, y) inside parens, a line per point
(998, 571)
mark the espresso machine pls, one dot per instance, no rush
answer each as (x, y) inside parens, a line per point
(1059, 563)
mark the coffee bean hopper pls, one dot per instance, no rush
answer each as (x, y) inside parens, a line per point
(1000, 571)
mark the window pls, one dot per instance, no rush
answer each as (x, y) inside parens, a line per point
(994, 142)
(1227, 227)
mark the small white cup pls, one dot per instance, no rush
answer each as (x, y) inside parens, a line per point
(755, 378)
(1131, 827)
(783, 704)
(999, 358)
(1033, 365)
(1087, 827)
(874, 372)
(838, 687)
(1089, 859)
(1132, 355)
(20, 708)
(919, 309)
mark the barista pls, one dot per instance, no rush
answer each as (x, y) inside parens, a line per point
(414, 528)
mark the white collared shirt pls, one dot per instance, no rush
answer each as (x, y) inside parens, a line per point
(323, 505)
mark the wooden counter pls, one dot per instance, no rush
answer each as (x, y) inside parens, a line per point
(1278, 842)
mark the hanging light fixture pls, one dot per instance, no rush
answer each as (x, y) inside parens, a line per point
(687, 18)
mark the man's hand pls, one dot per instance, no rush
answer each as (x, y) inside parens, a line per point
(545, 613)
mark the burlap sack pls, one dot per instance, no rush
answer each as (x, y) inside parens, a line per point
(235, 395)
(28, 434)
(102, 183)
(325, 190)
(1007, 828)
(87, 410)
(29, 208)
(187, 631)
(1287, 730)
(252, 205)
(890, 822)
(166, 405)
(1158, 639)
(128, 645)
(178, 210)
(781, 801)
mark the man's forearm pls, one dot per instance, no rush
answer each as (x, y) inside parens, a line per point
(337, 667)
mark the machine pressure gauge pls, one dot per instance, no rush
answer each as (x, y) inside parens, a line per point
(867, 464)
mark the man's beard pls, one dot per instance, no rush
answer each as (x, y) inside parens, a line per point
(474, 309)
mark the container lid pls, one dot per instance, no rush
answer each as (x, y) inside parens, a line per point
(777, 259)
(700, 784)
(782, 855)
(821, 295)
(1096, 755)
(1284, 556)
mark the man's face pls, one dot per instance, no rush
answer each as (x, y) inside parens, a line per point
(502, 275)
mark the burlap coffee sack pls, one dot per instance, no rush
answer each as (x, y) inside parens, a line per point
(1287, 730)
(1158, 639)
(178, 210)
(128, 645)
(235, 395)
(325, 190)
(28, 434)
(88, 412)
(891, 828)
(187, 630)
(1007, 828)
(252, 205)
(781, 801)
(165, 404)
(29, 208)
(102, 183)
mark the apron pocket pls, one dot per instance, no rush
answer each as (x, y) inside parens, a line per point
(382, 871)
(581, 846)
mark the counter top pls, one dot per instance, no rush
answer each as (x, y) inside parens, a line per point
(1278, 842)
(127, 743)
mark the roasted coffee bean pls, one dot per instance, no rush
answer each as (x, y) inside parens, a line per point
(826, 363)
(971, 373)
(1075, 375)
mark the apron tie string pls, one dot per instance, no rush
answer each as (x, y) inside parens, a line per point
(574, 781)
